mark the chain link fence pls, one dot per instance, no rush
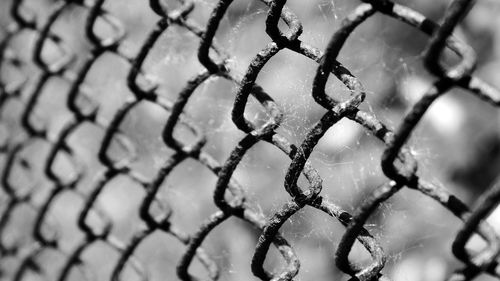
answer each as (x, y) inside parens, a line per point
(65, 145)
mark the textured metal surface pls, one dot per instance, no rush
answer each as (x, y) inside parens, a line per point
(398, 163)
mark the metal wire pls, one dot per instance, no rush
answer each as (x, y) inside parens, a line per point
(398, 163)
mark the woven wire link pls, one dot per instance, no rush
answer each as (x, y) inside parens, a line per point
(398, 163)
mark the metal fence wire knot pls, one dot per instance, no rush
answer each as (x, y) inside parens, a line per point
(36, 184)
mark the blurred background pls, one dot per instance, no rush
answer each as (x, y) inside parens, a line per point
(457, 144)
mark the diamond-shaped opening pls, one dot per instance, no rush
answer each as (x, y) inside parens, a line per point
(100, 259)
(19, 228)
(190, 197)
(108, 88)
(160, 253)
(23, 46)
(63, 214)
(169, 61)
(70, 27)
(51, 261)
(51, 108)
(12, 75)
(85, 142)
(136, 17)
(11, 116)
(23, 177)
(143, 127)
(120, 200)
(97, 221)
(65, 167)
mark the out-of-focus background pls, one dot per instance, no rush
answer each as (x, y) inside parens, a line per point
(457, 144)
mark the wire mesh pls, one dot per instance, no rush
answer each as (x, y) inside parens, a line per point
(53, 59)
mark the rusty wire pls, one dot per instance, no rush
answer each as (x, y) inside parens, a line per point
(398, 163)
